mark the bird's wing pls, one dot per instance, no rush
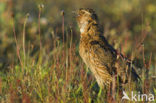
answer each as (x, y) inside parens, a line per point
(101, 58)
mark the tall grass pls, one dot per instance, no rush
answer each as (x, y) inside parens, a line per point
(49, 70)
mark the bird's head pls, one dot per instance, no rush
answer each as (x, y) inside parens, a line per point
(85, 17)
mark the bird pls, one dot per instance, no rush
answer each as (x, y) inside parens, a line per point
(96, 52)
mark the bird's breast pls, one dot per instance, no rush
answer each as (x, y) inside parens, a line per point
(84, 52)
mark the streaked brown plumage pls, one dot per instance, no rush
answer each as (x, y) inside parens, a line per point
(96, 52)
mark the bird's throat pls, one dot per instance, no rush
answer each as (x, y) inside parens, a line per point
(83, 27)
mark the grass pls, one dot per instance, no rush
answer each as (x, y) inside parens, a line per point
(45, 66)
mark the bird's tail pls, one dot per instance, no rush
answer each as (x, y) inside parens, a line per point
(132, 72)
(131, 69)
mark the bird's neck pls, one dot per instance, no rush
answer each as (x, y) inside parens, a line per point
(90, 29)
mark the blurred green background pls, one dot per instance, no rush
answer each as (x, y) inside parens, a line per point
(120, 18)
(129, 25)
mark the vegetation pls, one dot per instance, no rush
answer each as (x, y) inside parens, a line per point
(39, 59)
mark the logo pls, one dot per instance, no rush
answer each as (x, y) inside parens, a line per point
(137, 97)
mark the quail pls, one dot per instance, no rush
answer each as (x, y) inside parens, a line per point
(97, 53)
